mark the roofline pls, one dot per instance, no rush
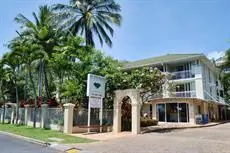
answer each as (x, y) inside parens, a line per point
(161, 63)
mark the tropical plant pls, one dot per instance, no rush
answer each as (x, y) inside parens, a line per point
(43, 33)
(13, 64)
(28, 53)
(3, 88)
(89, 18)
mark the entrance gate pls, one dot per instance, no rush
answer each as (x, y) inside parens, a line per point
(135, 103)
(126, 112)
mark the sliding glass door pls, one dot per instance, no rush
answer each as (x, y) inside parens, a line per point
(173, 112)
(161, 112)
(183, 112)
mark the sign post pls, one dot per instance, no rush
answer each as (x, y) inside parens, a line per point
(96, 93)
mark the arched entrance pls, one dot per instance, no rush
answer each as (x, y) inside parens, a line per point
(126, 114)
(132, 108)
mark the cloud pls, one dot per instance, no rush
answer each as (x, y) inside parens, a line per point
(215, 54)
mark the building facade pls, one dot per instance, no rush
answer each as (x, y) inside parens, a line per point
(193, 92)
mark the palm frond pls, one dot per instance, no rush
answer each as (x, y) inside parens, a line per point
(104, 35)
(25, 22)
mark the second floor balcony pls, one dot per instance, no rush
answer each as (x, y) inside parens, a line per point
(183, 75)
(190, 94)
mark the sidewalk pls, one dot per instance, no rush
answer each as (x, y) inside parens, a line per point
(103, 136)
(173, 126)
(100, 137)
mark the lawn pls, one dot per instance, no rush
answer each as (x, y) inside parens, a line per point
(41, 134)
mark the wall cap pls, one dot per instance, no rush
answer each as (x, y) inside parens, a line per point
(69, 105)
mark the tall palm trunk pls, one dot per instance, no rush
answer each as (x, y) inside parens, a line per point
(4, 106)
(35, 99)
(46, 82)
(40, 79)
(25, 86)
(17, 102)
(4, 110)
(88, 37)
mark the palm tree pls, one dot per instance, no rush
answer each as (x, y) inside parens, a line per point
(90, 17)
(13, 64)
(3, 88)
(41, 32)
(28, 53)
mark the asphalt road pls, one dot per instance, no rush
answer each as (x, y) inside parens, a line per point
(10, 144)
(214, 139)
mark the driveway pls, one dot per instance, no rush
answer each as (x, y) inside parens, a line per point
(200, 140)
(10, 144)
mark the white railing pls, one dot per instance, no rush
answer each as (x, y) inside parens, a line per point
(219, 99)
(184, 94)
(183, 74)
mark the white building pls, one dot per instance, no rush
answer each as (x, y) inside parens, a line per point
(197, 91)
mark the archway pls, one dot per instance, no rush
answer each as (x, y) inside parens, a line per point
(135, 102)
(126, 114)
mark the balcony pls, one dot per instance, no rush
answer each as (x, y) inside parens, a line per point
(183, 75)
(221, 100)
(191, 94)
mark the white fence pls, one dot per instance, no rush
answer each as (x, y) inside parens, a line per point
(81, 117)
(53, 118)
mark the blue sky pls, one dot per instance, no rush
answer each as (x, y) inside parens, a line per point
(149, 28)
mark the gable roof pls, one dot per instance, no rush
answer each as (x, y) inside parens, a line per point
(168, 58)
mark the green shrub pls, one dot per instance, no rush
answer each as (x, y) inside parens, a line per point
(148, 122)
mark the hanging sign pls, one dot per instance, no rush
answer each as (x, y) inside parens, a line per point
(95, 86)
(95, 102)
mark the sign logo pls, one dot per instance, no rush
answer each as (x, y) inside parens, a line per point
(97, 85)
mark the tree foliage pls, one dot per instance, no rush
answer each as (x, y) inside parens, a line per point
(89, 18)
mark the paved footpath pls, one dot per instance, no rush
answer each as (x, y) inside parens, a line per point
(214, 139)
(9, 144)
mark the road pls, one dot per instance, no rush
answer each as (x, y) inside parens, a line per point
(200, 140)
(10, 144)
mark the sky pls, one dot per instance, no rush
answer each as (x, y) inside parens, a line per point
(149, 27)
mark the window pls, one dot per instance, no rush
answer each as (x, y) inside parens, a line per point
(150, 110)
(209, 76)
(210, 90)
(221, 93)
(199, 109)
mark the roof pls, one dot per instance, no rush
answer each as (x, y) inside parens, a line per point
(169, 58)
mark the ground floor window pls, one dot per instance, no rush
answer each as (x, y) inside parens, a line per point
(161, 112)
(173, 112)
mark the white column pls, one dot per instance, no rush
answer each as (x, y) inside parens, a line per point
(199, 83)
(191, 113)
(199, 88)
(44, 116)
(68, 118)
(101, 114)
(2, 114)
(154, 115)
(135, 118)
(27, 107)
(116, 116)
(13, 106)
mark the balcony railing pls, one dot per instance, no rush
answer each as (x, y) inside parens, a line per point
(221, 100)
(183, 74)
(184, 94)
